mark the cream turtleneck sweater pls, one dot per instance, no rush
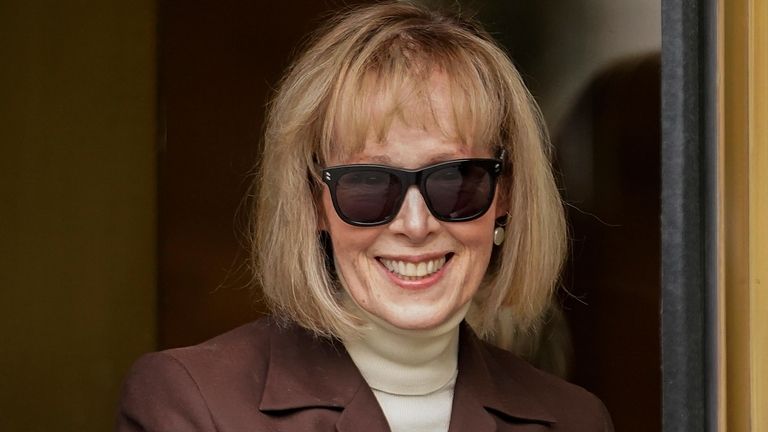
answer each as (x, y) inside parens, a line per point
(411, 372)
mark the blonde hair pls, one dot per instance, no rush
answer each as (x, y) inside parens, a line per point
(327, 102)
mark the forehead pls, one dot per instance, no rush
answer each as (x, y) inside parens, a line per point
(407, 121)
(412, 147)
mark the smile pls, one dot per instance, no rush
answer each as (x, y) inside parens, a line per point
(412, 271)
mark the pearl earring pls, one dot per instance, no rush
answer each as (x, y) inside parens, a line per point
(498, 235)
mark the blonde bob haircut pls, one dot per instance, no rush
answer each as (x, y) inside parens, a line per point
(367, 67)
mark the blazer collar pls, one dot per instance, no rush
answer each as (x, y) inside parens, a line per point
(484, 385)
(306, 371)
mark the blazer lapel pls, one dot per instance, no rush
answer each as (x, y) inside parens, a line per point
(484, 390)
(306, 371)
(468, 414)
(363, 413)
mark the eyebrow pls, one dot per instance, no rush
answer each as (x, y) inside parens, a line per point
(440, 157)
(381, 159)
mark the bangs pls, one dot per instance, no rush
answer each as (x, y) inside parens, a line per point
(406, 81)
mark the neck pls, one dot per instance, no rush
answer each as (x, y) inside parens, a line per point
(405, 362)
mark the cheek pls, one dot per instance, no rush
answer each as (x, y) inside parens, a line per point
(349, 242)
(476, 236)
(477, 241)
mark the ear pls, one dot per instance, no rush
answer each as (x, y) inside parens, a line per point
(320, 215)
(322, 222)
(502, 205)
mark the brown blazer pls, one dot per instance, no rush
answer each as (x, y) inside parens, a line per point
(264, 377)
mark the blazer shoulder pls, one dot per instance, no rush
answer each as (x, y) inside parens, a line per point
(179, 389)
(159, 393)
(246, 346)
(571, 404)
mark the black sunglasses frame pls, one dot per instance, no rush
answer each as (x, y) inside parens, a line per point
(408, 178)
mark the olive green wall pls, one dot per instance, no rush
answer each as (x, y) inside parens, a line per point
(77, 208)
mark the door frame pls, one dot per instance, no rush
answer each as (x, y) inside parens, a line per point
(689, 254)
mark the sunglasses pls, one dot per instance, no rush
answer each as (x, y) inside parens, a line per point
(454, 191)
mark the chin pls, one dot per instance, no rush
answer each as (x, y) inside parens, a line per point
(416, 321)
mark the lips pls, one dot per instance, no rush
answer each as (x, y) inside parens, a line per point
(412, 271)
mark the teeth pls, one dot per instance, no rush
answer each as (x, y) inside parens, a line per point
(413, 271)
(410, 269)
(421, 269)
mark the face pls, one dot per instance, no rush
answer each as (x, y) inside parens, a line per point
(378, 266)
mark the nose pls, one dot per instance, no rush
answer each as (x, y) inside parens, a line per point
(414, 219)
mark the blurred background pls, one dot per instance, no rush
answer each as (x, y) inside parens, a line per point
(129, 131)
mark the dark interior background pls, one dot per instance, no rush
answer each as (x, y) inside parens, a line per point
(218, 63)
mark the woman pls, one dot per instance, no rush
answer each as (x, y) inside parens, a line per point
(404, 187)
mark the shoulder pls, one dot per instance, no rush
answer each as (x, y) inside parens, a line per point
(221, 358)
(244, 346)
(175, 389)
(572, 407)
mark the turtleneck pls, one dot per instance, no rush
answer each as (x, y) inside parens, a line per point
(406, 362)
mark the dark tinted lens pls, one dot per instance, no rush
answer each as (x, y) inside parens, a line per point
(367, 196)
(459, 191)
